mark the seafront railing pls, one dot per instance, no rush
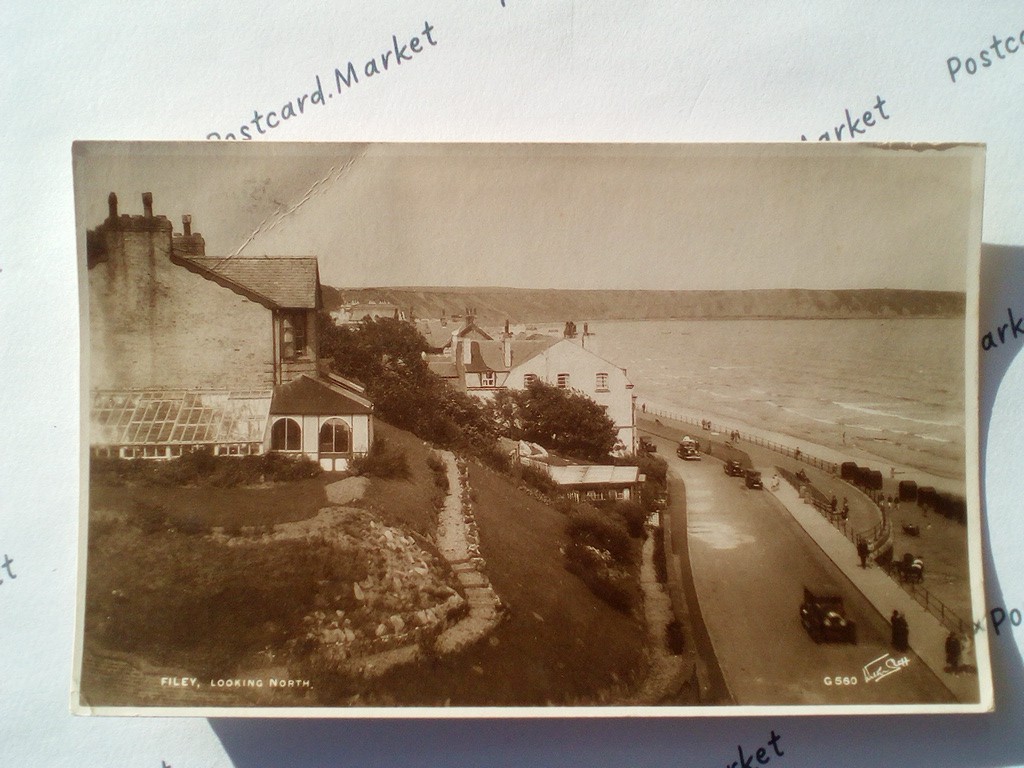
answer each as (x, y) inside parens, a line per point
(949, 618)
(785, 450)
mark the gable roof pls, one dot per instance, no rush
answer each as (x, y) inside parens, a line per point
(306, 396)
(577, 350)
(277, 282)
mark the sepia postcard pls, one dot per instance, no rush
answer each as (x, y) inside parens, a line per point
(429, 430)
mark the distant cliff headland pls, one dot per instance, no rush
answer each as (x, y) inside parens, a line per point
(529, 305)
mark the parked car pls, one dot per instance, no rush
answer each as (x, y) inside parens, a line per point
(822, 615)
(734, 468)
(753, 479)
(647, 445)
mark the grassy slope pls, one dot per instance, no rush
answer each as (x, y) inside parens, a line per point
(277, 503)
(405, 502)
(560, 645)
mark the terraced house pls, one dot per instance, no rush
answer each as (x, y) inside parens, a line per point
(190, 351)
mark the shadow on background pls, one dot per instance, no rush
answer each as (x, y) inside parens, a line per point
(906, 740)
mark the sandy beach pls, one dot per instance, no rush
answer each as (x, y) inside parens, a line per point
(651, 410)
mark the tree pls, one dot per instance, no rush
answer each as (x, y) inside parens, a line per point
(562, 420)
(386, 355)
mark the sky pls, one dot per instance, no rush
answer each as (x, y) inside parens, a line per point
(641, 216)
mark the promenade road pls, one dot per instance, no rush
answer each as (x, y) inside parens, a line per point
(749, 561)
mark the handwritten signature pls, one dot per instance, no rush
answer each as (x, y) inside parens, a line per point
(883, 666)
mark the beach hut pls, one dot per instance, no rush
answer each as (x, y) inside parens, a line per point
(908, 490)
(848, 471)
(958, 509)
(926, 496)
(874, 480)
(952, 506)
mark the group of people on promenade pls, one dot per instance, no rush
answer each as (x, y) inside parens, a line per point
(901, 641)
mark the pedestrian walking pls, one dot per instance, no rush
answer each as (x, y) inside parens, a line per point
(863, 552)
(953, 651)
(846, 508)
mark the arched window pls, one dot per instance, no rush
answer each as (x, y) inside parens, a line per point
(286, 435)
(335, 437)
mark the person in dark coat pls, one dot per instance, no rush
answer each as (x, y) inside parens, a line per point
(863, 552)
(953, 650)
(901, 633)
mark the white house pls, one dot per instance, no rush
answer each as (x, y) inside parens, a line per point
(482, 366)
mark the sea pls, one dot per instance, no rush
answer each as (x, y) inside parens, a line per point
(889, 391)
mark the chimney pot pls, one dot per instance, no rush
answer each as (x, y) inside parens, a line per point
(147, 204)
(186, 224)
(112, 205)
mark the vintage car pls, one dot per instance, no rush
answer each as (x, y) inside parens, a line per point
(822, 615)
(646, 445)
(734, 468)
(688, 452)
(753, 479)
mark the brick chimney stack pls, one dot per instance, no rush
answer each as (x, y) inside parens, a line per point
(112, 205)
(147, 204)
(186, 224)
(506, 346)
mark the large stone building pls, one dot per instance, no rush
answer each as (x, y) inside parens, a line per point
(482, 365)
(189, 351)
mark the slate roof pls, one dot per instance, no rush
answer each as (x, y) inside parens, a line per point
(490, 356)
(306, 396)
(278, 282)
(443, 367)
(437, 334)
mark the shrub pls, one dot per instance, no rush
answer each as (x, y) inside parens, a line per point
(493, 456)
(150, 518)
(538, 479)
(436, 463)
(382, 461)
(603, 531)
(660, 561)
(440, 471)
(633, 515)
(674, 639)
(280, 468)
(610, 584)
(201, 467)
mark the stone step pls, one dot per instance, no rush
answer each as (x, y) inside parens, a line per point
(472, 579)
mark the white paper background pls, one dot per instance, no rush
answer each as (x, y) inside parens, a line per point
(648, 70)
